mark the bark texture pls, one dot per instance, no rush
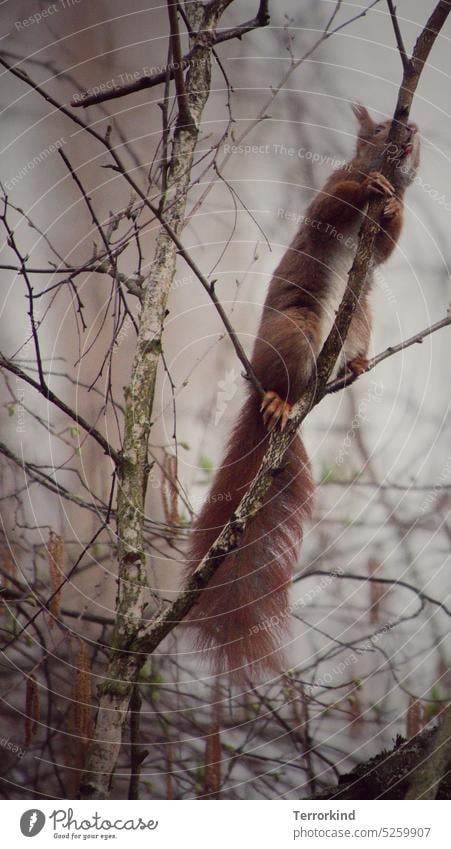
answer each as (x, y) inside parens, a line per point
(392, 774)
(124, 663)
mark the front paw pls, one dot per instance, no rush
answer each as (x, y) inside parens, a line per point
(275, 410)
(377, 184)
(392, 208)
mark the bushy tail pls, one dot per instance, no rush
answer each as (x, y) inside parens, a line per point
(242, 615)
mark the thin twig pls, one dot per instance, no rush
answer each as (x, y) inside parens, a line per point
(184, 113)
(120, 168)
(369, 579)
(47, 393)
(46, 604)
(399, 39)
(34, 324)
(150, 80)
(351, 377)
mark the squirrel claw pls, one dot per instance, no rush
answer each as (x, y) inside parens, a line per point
(377, 184)
(358, 365)
(275, 411)
(392, 208)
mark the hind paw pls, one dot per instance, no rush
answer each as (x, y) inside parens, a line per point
(275, 411)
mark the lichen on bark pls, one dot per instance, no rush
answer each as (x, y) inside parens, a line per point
(133, 471)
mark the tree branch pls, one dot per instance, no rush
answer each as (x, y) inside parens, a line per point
(396, 582)
(417, 339)
(176, 67)
(387, 775)
(399, 39)
(429, 772)
(38, 476)
(261, 19)
(47, 393)
(119, 167)
(133, 473)
(184, 114)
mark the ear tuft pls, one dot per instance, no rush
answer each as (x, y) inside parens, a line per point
(360, 112)
(364, 118)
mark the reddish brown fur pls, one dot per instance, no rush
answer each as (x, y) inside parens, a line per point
(251, 585)
(243, 613)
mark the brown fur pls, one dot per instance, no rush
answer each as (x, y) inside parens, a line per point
(235, 616)
(243, 613)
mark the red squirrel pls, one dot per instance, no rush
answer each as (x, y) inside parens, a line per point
(242, 615)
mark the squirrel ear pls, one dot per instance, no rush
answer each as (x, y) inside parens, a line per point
(364, 118)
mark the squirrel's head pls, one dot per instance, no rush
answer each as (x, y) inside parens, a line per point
(372, 142)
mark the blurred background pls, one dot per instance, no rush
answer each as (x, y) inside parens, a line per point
(369, 660)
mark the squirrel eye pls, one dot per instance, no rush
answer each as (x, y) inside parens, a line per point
(379, 128)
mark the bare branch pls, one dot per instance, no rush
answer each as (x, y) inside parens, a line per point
(275, 90)
(34, 324)
(123, 665)
(184, 114)
(399, 39)
(47, 393)
(38, 476)
(368, 579)
(430, 770)
(177, 66)
(417, 339)
(120, 168)
(261, 19)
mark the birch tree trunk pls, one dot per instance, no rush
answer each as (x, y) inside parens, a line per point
(123, 666)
